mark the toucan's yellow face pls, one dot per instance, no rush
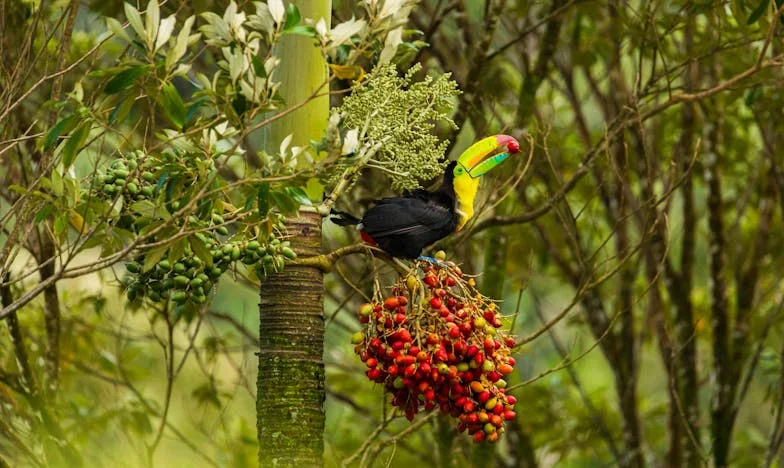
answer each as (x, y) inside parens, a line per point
(465, 192)
(472, 165)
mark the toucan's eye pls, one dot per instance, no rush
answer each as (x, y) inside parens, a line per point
(459, 170)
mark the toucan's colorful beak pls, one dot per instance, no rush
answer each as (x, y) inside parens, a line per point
(479, 158)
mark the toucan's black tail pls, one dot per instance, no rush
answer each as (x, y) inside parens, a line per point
(341, 218)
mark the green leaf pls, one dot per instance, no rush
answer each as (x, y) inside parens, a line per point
(301, 30)
(293, 17)
(779, 3)
(17, 189)
(194, 109)
(65, 125)
(200, 250)
(153, 20)
(758, 12)
(60, 223)
(135, 19)
(263, 198)
(153, 256)
(122, 110)
(108, 71)
(177, 250)
(285, 203)
(752, 95)
(298, 195)
(258, 66)
(57, 183)
(117, 29)
(43, 213)
(150, 210)
(124, 80)
(75, 142)
(139, 421)
(206, 394)
(173, 105)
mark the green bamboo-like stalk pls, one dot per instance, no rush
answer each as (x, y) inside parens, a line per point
(302, 72)
(290, 382)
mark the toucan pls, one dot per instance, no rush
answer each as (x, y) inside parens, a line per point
(403, 226)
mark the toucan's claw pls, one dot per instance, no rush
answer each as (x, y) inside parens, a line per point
(433, 261)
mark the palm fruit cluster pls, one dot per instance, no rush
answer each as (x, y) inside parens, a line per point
(436, 342)
(128, 176)
(191, 279)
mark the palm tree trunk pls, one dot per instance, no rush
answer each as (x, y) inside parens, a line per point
(290, 398)
(290, 383)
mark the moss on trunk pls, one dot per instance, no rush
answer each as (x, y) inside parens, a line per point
(290, 384)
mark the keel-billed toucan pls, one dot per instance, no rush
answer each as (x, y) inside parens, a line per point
(403, 226)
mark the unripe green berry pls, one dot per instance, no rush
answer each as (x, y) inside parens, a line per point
(179, 297)
(181, 281)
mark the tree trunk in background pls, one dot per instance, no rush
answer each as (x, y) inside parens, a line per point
(290, 398)
(290, 384)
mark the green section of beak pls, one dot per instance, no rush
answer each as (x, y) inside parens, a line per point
(487, 165)
(477, 152)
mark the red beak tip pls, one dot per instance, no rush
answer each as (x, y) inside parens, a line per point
(513, 147)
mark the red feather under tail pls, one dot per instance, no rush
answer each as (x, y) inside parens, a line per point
(366, 237)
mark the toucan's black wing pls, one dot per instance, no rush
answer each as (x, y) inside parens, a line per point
(404, 226)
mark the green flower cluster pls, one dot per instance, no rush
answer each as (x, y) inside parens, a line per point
(399, 114)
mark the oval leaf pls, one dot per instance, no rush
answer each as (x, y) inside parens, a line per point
(173, 105)
(758, 12)
(65, 125)
(75, 142)
(124, 79)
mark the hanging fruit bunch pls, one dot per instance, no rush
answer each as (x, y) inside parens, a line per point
(436, 342)
(191, 279)
(183, 272)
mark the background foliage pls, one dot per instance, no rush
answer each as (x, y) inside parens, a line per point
(637, 258)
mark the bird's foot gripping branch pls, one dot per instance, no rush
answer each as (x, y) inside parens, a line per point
(436, 342)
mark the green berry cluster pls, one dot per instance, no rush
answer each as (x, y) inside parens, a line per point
(188, 279)
(191, 279)
(126, 177)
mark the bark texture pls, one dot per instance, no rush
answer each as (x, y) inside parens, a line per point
(290, 383)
